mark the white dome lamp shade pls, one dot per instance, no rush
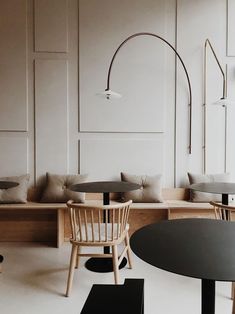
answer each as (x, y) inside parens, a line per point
(224, 102)
(109, 94)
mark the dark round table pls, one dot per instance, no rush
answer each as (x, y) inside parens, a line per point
(224, 188)
(198, 248)
(6, 185)
(103, 265)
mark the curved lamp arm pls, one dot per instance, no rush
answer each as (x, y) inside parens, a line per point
(186, 73)
(208, 43)
(223, 102)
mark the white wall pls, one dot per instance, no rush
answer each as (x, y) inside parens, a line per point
(51, 118)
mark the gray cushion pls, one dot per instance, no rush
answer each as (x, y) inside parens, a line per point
(57, 188)
(18, 194)
(150, 191)
(196, 196)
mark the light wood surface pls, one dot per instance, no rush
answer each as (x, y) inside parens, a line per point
(49, 222)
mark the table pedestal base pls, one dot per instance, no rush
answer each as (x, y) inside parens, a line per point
(103, 265)
(208, 296)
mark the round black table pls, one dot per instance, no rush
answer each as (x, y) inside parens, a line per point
(224, 188)
(103, 265)
(6, 185)
(198, 248)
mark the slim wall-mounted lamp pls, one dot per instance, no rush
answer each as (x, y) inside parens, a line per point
(108, 93)
(223, 101)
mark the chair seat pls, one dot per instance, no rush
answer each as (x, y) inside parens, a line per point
(105, 234)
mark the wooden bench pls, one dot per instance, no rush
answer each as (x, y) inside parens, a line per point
(32, 221)
(49, 222)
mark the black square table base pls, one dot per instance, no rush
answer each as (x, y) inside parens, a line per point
(116, 299)
(103, 265)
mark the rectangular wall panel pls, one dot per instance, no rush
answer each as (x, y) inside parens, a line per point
(215, 139)
(51, 25)
(198, 20)
(105, 159)
(230, 149)
(51, 116)
(231, 28)
(13, 60)
(14, 156)
(139, 71)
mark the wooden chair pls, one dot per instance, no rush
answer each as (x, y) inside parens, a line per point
(221, 209)
(88, 229)
(220, 213)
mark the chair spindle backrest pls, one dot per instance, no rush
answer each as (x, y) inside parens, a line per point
(220, 211)
(98, 223)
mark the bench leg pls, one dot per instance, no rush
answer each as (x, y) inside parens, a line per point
(232, 290)
(60, 227)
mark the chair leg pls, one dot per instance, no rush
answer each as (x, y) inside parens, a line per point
(78, 257)
(115, 264)
(232, 290)
(233, 309)
(71, 269)
(127, 243)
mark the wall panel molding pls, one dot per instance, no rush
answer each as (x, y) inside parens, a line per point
(14, 157)
(139, 73)
(13, 65)
(104, 159)
(230, 28)
(51, 25)
(51, 116)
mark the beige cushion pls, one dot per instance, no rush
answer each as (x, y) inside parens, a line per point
(17, 194)
(57, 188)
(150, 191)
(196, 196)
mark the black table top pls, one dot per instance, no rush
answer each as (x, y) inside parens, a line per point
(105, 187)
(199, 248)
(8, 184)
(214, 187)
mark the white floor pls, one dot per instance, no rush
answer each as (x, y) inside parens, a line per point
(34, 280)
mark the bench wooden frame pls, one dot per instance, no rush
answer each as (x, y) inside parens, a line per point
(49, 222)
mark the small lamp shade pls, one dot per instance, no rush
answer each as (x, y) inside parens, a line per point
(109, 94)
(224, 102)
